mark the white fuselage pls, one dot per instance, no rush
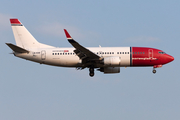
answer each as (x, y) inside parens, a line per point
(65, 57)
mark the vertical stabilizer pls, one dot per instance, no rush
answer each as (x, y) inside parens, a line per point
(23, 37)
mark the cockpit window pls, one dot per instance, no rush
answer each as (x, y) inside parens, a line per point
(161, 52)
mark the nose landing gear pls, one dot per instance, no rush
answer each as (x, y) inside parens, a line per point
(156, 66)
(154, 71)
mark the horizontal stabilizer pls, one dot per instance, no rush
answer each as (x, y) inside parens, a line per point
(17, 49)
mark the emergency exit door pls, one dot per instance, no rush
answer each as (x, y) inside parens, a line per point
(150, 53)
(43, 54)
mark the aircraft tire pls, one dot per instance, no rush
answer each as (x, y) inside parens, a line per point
(91, 74)
(154, 71)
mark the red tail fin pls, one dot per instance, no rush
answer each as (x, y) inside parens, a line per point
(15, 21)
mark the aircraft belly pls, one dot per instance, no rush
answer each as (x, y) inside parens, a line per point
(30, 56)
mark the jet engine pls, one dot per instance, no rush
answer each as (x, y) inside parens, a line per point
(109, 70)
(111, 61)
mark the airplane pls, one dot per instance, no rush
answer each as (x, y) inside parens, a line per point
(104, 59)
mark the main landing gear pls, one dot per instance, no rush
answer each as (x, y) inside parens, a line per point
(91, 71)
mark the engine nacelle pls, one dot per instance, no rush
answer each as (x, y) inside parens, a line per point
(109, 70)
(111, 61)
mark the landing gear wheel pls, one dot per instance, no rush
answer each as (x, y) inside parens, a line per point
(91, 74)
(154, 71)
(91, 71)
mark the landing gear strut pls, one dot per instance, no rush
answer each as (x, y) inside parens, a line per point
(156, 66)
(91, 71)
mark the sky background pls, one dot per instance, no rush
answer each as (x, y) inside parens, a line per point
(30, 91)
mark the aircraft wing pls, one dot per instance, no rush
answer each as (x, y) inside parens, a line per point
(81, 51)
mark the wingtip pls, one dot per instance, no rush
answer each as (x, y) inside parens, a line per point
(67, 34)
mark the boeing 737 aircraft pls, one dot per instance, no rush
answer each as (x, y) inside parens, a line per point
(104, 59)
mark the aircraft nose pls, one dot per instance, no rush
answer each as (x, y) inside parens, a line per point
(170, 58)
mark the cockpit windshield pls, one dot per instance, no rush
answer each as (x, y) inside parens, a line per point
(161, 52)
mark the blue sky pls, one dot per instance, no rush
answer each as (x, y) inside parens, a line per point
(32, 91)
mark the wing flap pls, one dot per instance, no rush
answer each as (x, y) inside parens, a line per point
(16, 48)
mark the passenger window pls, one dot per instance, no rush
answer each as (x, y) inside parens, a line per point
(122, 52)
(117, 52)
(140, 52)
(143, 53)
(52, 53)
